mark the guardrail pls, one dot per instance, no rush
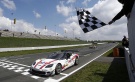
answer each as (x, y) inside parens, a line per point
(130, 66)
(130, 56)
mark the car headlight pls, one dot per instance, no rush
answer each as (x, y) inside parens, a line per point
(48, 66)
(34, 63)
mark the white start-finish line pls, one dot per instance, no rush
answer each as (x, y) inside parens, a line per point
(51, 80)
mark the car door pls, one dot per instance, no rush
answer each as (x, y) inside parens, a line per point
(70, 59)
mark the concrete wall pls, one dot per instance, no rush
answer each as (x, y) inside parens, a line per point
(131, 34)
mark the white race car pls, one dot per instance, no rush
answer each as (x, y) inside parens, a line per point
(55, 63)
(93, 47)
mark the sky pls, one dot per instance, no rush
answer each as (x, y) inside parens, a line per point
(58, 18)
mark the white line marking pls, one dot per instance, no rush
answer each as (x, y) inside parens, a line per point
(63, 74)
(20, 68)
(50, 80)
(20, 58)
(17, 63)
(4, 63)
(1, 65)
(6, 66)
(83, 66)
(25, 73)
(14, 66)
(10, 68)
(10, 64)
(17, 70)
(35, 77)
(87, 54)
(26, 70)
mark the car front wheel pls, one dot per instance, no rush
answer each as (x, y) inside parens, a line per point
(76, 61)
(58, 69)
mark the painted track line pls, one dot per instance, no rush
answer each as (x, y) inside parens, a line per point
(17, 68)
(20, 58)
(63, 74)
(87, 54)
(16, 63)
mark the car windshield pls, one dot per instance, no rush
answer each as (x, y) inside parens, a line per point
(56, 56)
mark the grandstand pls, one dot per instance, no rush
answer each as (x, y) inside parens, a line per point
(6, 33)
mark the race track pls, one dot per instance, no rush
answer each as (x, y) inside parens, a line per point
(15, 69)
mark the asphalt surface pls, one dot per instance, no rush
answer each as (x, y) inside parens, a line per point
(15, 68)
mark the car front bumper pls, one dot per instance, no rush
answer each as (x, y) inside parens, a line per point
(41, 72)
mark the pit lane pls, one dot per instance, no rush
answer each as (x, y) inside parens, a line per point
(15, 69)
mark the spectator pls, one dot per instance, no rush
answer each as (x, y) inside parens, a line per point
(127, 7)
(125, 42)
(21, 33)
(13, 34)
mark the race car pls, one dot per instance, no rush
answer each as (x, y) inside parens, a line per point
(92, 47)
(55, 63)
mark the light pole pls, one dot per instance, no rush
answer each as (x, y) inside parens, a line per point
(65, 33)
(45, 30)
(73, 33)
(55, 31)
(11, 20)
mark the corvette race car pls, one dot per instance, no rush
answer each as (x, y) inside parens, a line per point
(92, 46)
(55, 63)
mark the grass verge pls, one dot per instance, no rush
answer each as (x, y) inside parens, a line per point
(26, 52)
(90, 73)
(101, 71)
(29, 42)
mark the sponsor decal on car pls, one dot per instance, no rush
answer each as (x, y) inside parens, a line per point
(73, 58)
(37, 63)
(46, 63)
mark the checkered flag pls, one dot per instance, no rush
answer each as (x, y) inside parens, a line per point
(87, 21)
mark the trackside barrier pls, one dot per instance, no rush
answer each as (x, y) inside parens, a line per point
(118, 52)
(130, 66)
(130, 57)
(41, 47)
(115, 52)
